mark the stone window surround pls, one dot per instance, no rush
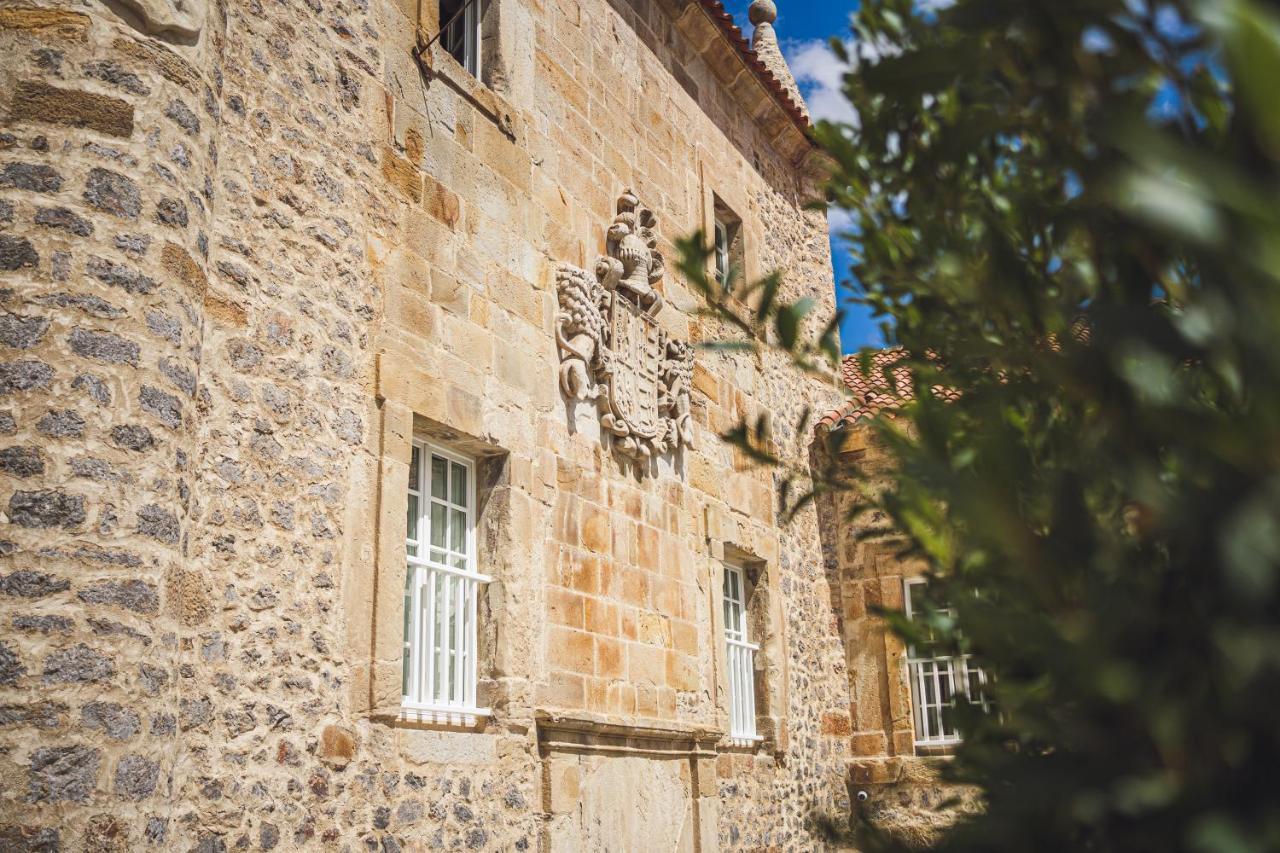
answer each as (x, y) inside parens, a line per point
(725, 219)
(488, 94)
(716, 194)
(730, 541)
(410, 407)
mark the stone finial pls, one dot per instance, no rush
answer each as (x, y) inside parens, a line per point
(762, 12)
(764, 41)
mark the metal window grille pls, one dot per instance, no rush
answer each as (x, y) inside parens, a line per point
(936, 680)
(740, 658)
(442, 585)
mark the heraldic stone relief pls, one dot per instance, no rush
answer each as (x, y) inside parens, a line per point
(612, 349)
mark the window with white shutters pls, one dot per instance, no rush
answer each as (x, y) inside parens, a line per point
(740, 655)
(936, 679)
(442, 586)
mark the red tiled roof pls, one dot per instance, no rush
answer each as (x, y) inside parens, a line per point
(872, 393)
(715, 8)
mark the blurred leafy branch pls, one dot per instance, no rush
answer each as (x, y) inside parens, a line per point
(1068, 212)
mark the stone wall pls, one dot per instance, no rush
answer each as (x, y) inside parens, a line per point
(903, 783)
(241, 268)
(108, 167)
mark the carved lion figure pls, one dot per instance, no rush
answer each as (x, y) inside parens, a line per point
(580, 331)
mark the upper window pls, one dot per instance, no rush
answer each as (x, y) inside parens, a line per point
(729, 253)
(937, 676)
(460, 32)
(740, 657)
(441, 584)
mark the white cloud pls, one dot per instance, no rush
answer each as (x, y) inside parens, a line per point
(819, 72)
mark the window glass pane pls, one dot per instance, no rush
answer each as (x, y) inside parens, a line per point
(458, 531)
(413, 468)
(439, 477)
(438, 525)
(459, 484)
(458, 561)
(439, 557)
(916, 593)
(411, 523)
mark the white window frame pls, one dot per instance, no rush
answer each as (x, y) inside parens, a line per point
(437, 589)
(722, 252)
(740, 656)
(467, 29)
(933, 677)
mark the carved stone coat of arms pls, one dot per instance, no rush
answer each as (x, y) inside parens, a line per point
(612, 349)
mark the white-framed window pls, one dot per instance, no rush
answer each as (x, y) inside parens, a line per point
(461, 32)
(722, 252)
(936, 679)
(740, 657)
(442, 586)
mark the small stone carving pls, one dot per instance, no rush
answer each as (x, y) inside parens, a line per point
(612, 349)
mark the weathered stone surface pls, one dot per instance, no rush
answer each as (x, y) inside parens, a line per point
(118, 275)
(113, 193)
(104, 347)
(63, 773)
(42, 624)
(23, 375)
(162, 404)
(21, 462)
(115, 721)
(183, 117)
(29, 839)
(158, 523)
(62, 423)
(35, 100)
(11, 666)
(113, 72)
(105, 833)
(36, 177)
(171, 211)
(22, 332)
(136, 776)
(56, 23)
(16, 253)
(77, 664)
(46, 508)
(26, 583)
(337, 746)
(136, 595)
(64, 219)
(132, 437)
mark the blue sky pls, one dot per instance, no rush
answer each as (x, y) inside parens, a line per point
(804, 28)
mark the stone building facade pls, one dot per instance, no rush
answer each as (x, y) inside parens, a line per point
(263, 262)
(900, 739)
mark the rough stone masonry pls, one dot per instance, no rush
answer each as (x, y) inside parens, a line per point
(249, 251)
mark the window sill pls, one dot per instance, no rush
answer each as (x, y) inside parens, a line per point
(442, 716)
(439, 63)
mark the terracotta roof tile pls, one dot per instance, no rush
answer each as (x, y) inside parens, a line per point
(872, 393)
(715, 8)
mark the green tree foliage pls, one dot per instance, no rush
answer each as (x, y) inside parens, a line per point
(1070, 212)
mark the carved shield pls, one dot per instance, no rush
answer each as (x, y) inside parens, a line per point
(637, 357)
